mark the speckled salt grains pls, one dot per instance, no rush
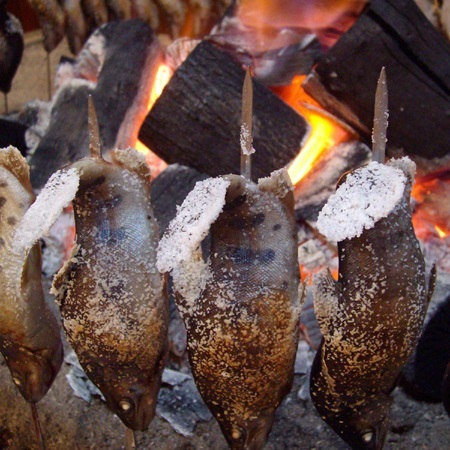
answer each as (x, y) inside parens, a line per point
(59, 191)
(368, 194)
(184, 234)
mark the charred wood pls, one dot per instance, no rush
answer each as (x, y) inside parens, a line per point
(196, 120)
(120, 96)
(416, 56)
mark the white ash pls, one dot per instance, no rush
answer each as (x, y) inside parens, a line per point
(186, 231)
(245, 138)
(42, 214)
(368, 194)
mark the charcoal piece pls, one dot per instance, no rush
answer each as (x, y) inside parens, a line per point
(422, 377)
(398, 36)
(196, 120)
(13, 133)
(180, 403)
(132, 56)
(169, 189)
(66, 138)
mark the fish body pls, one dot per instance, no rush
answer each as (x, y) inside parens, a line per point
(52, 21)
(11, 47)
(76, 26)
(243, 327)
(371, 319)
(30, 337)
(147, 11)
(112, 298)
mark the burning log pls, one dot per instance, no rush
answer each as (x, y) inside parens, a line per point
(397, 36)
(120, 97)
(196, 120)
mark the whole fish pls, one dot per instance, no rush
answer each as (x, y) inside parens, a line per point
(11, 47)
(112, 299)
(52, 21)
(241, 308)
(30, 337)
(371, 318)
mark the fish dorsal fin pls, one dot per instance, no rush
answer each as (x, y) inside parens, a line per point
(131, 160)
(13, 161)
(326, 301)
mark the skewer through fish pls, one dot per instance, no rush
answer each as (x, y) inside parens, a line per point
(241, 306)
(112, 299)
(371, 318)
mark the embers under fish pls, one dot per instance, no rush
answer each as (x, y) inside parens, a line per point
(112, 299)
(241, 307)
(371, 318)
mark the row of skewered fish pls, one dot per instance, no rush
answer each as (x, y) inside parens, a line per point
(76, 19)
(240, 303)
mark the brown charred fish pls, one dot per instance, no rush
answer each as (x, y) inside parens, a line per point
(52, 21)
(371, 318)
(29, 333)
(112, 298)
(241, 308)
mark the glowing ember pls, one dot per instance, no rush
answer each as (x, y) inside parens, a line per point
(162, 77)
(440, 232)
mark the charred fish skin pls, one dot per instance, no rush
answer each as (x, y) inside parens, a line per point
(112, 299)
(30, 338)
(371, 319)
(242, 331)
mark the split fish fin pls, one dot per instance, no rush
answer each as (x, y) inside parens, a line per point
(279, 184)
(133, 161)
(13, 161)
(62, 279)
(326, 301)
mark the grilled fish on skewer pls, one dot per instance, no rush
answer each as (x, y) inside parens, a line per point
(371, 318)
(76, 26)
(241, 309)
(95, 12)
(119, 9)
(52, 21)
(112, 299)
(29, 333)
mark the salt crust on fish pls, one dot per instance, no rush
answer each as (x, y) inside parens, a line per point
(368, 194)
(58, 192)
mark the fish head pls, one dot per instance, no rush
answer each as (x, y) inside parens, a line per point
(130, 392)
(33, 372)
(365, 427)
(249, 434)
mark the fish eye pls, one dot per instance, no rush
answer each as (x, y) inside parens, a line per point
(125, 404)
(367, 436)
(17, 380)
(235, 434)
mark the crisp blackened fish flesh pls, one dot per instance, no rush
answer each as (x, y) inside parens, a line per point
(241, 307)
(371, 318)
(112, 298)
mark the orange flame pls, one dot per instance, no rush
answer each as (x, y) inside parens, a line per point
(325, 132)
(162, 77)
(442, 234)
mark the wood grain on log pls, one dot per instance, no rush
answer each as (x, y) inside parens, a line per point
(417, 60)
(196, 120)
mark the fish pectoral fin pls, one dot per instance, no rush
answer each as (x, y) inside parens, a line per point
(326, 301)
(13, 161)
(62, 278)
(133, 161)
(431, 282)
(278, 183)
